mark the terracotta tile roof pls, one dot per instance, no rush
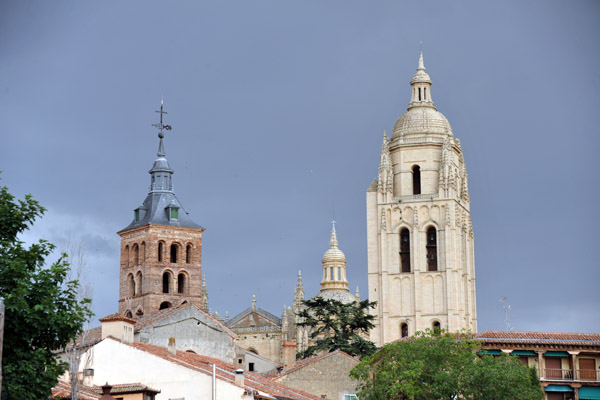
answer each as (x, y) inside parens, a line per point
(562, 338)
(117, 317)
(87, 338)
(309, 361)
(63, 390)
(225, 371)
(152, 318)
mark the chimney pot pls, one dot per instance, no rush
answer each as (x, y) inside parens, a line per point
(239, 377)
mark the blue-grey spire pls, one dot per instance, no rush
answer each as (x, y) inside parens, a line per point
(161, 206)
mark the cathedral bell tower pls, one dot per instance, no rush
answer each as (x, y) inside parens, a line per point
(161, 248)
(419, 232)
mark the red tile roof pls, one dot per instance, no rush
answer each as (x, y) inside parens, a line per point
(63, 390)
(117, 317)
(150, 319)
(225, 371)
(561, 338)
(309, 361)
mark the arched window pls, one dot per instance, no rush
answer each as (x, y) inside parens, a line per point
(166, 282)
(404, 329)
(143, 252)
(181, 283)
(130, 285)
(188, 253)
(160, 251)
(432, 249)
(405, 249)
(416, 179)
(138, 283)
(126, 256)
(436, 326)
(128, 314)
(164, 304)
(331, 277)
(136, 254)
(173, 253)
(139, 312)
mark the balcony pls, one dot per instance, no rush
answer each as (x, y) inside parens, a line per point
(558, 374)
(589, 375)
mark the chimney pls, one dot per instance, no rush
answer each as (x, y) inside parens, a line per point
(239, 377)
(119, 327)
(106, 392)
(171, 347)
(289, 354)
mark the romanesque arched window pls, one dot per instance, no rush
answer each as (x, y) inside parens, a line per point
(181, 283)
(416, 171)
(138, 283)
(405, 250)
(128, 314)
(164, 304)
(188, 253)
(404, 329)
(143, 252)
(436, 326)
(166, 280)
(432, 249)
(161, 249)
(136, 254)
(126, 256)
(130, 285)
(174, 253)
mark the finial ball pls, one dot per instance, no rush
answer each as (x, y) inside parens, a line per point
(161, 135)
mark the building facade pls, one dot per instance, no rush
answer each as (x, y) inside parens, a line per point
(420, 238)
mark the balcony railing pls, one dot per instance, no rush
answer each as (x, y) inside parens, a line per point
(567, 374)
(558, 374)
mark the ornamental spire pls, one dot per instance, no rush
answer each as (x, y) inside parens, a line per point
(386, 173)
(333, 242)
(421, 87)
(161, 172)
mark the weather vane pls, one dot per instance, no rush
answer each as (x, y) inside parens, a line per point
(160, 125)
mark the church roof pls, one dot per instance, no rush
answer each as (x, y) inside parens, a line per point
(263, 313)
(161, 199)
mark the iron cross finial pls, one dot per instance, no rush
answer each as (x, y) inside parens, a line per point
(160, 125)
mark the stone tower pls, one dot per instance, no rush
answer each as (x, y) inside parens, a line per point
(419, 232)
(160, 249)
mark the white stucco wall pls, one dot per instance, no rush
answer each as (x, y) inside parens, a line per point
(115, 362)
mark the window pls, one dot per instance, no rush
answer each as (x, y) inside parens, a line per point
(405, 250)
(136, 255)
(128, 314)
(138, 283)
(166, 282)
(126, 256)
(188, 253)
(331, 273)
(419, 94)
(173, 253)
(164, 304)
(404, 329)
(436, 326)
(350, 397)
(174, 213)
(131, 285)
(339, 276)
(251, 367)
(160, 251)
(137, 215)
(431, 249)
(181, 283)
(416, 179)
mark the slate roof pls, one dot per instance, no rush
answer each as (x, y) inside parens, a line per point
(225, 371)
(263, 313)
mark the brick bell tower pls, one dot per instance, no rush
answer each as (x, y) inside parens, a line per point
(161, 248)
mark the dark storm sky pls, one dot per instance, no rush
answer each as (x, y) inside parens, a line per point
(278, 108)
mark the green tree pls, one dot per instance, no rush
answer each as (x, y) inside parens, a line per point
(42, 310)
(439, 365)
(335, 325)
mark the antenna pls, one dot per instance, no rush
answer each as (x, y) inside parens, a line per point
(504, 300)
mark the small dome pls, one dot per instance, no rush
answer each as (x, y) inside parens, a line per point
(161, 164)
(422, 120)
(334, 255)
